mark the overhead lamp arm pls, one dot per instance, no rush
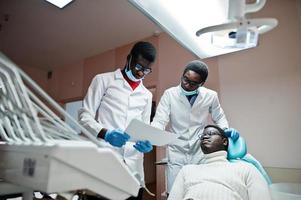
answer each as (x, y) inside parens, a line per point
(220, 27)
(263, 25)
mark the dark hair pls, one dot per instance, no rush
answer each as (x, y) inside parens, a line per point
(145, 49)
(221, 131)
(198, 67)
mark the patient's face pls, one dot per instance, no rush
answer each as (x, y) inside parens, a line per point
(212, 141)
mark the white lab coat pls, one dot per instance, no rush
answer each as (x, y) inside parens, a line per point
(111, 103)
(188, 122)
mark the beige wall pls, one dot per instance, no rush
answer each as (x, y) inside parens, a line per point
(260, 89)
(38, 75)
(298, 7)
(104, 62)
(70, 81)
(66, 83)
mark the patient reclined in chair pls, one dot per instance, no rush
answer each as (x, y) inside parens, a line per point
(218, 178)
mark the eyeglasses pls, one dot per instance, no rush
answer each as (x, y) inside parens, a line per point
(211, 133)
(145, 70)
(192, 83)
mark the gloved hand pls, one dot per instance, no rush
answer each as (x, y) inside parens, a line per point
(116, 137)
(143, 146)
(232, 133)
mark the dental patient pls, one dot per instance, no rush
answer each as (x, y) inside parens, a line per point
(216, 178)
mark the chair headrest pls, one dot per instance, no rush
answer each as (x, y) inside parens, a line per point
(237, 149)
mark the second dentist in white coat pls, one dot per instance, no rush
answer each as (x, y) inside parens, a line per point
(187, 107)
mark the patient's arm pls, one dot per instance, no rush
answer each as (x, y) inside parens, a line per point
(257, 185)
(177, 190)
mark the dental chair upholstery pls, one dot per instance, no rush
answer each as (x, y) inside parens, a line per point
(237, 150)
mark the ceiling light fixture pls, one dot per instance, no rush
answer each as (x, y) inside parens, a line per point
(59, 3)
(208, 27)
(240, 32)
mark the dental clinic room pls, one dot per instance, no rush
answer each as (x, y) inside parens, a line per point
(150, 99)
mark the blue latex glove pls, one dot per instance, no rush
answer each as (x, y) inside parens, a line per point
(116, 137)
(232, 133)
(143, 146)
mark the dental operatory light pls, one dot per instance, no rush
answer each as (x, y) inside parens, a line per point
(239, 32)
(59, 3)
(208, 27)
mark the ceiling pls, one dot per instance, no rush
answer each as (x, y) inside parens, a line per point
(35, 33)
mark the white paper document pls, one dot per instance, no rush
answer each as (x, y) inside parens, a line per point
(140, 131)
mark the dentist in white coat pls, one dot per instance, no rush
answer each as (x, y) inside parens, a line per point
(114, 99)
(187, 108)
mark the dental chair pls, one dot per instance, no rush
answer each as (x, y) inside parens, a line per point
(279, 191)
(237, 151)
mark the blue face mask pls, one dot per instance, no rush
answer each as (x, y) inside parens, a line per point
(130, 74)
(188, 93)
